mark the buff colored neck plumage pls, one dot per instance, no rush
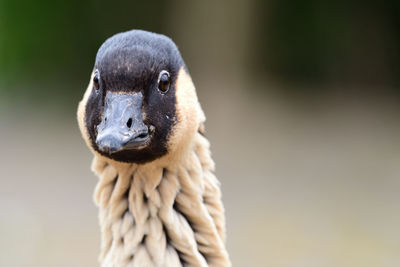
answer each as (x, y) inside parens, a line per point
(162, 214)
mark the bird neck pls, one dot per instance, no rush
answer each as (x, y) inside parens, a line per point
(160, 214)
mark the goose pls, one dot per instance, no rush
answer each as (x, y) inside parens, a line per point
(158, 197)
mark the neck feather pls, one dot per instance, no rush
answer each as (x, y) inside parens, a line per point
(162, 213)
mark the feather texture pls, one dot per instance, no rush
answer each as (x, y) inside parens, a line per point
(157, 215)
(167, 210)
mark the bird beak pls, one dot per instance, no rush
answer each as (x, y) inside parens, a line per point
(121, 126)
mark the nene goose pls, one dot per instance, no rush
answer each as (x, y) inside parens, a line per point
(159, 201)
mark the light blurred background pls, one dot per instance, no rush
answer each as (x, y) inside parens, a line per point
(302, 100)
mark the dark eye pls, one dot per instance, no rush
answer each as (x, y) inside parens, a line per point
(163, 81)
(96, 78)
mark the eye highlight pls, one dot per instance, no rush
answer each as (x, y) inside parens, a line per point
(164, 81)
(96, 78)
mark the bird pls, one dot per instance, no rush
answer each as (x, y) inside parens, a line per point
(158, 197)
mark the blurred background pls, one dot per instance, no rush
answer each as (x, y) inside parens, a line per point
(302, 103)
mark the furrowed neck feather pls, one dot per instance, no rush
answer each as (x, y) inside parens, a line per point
(161, 214)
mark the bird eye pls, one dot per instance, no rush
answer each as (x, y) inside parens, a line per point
(163, 81)
(96, 78)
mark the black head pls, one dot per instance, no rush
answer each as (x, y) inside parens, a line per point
(130, 107)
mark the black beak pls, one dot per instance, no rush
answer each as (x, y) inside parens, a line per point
(122, 126)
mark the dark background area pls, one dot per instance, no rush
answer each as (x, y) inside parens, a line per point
(302, 103)
(52, 45)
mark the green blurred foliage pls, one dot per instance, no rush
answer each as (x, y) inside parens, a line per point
(48, 47)
(52, 44)
(330, 41)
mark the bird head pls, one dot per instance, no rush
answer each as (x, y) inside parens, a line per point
(140, 104)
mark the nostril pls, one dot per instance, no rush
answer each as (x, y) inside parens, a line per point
(142, 135)
(129, 123)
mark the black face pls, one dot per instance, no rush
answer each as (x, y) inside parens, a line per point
(131, 110)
